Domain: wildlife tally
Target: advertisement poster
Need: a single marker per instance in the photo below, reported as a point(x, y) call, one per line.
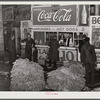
point(8, 14)
point(98, 55)
point(95, 30)
point(83, 15)
point(25, 28)
point(42, 54)
point(22, 12)
point(68, 54)
point(62, 15)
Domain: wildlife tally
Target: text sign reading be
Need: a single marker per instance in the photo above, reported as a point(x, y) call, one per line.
point(95, 20)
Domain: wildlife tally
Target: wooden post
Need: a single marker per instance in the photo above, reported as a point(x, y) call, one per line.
point(1, 34)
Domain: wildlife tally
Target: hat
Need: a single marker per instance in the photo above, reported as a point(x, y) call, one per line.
point(12, 34)
point(87, 39)
point(84, 36)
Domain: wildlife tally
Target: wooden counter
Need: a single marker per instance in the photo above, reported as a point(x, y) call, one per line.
point(65, 53)
point(42, 53)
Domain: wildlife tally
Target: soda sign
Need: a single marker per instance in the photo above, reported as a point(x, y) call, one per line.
point(55, 16)
point(65, 15)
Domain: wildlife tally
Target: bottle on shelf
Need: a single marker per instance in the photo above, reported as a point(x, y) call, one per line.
point(84, 15)
point(40, 42)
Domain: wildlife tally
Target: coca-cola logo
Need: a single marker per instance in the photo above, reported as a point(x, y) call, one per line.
point(60, 15)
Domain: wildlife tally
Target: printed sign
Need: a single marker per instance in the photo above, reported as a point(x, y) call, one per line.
point(24, 28)
point(83, 15)
point(95, 20)
point(95, 30)
point(62, 29)
point(8, 14)
point(98, 55)
point(22, 12)
point(42, 55)
point(68, 55)
point(64, 15)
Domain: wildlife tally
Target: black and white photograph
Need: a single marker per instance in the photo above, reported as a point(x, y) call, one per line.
point(50, 47)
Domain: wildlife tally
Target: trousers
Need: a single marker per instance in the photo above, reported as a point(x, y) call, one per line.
point(28, 55)
point(90, 74)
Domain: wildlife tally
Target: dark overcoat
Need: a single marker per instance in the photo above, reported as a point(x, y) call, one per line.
point(53, 51)
point(88, 54)
point(12, 50)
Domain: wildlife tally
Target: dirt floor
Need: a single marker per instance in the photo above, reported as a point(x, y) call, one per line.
point(4, 77)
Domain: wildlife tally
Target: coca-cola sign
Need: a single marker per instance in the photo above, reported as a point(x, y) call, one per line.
point(65, 15)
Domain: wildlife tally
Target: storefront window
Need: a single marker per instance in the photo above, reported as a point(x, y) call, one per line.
point(39, 37)
point(70, 39)
point(66, 39)
point(49, 35)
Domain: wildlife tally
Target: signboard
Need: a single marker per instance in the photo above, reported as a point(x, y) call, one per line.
point(98, 55)
point(24, 28)
point(22, 12)
point(92, 10)
point(83, 15)
point(62, 29)
point(42, 54)
point(63, 15)
point(95, 30)
point(68, 54)
point(8, 14)
point(95, 34)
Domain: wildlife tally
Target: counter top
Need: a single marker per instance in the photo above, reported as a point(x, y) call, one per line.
point(65, 48)
point(61, 47)
point(43, 46)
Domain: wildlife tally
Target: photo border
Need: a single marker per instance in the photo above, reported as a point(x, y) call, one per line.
point(53, 98)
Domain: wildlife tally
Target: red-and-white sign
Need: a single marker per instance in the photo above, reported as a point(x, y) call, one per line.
point(64, 15)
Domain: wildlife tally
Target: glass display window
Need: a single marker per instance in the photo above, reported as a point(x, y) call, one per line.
point(39, 37)
point(49, 35)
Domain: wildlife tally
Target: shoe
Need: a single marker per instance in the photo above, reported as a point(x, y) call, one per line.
point(86, 89)
point(49, 67)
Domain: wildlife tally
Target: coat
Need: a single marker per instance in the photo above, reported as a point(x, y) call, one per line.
point(81, 43)
point(29, 44)
point(53, 51)
point(88, 54)
point(12, 50)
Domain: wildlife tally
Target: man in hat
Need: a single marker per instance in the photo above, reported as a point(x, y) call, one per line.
point(12, 48)
point(88, 59)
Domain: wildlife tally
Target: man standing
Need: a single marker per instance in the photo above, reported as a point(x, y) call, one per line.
point(29, 45)
point(53, 52)
point(70, 40)
point(88, 59)
point(81, 42)
point(12, 48)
